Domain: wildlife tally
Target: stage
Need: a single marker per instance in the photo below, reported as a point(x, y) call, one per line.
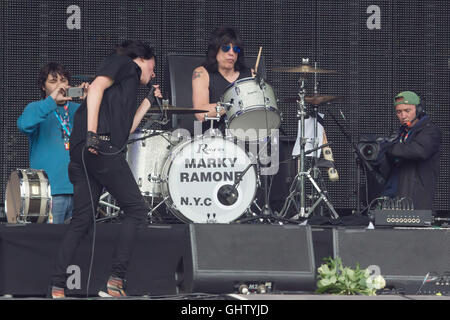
point(213, 261)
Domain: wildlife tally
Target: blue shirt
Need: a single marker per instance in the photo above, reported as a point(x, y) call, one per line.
point(46, 143)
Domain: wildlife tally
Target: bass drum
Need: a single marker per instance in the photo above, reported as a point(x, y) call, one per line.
point(28, 197)
point(198, 174)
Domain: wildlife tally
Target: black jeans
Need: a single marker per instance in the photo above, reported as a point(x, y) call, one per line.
point(113, 173)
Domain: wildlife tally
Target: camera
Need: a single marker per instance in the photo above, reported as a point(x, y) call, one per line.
point(75, 92)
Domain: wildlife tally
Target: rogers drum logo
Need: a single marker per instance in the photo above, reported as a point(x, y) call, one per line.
point(203, 148)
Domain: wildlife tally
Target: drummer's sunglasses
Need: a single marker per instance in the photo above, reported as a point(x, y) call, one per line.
point(227, 48)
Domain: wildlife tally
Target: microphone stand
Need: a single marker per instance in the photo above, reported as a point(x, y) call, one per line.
point(359, 160)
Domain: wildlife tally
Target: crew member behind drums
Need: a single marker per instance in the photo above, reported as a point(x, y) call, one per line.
point(101, 129)
point(224, 64)
point(48, 124)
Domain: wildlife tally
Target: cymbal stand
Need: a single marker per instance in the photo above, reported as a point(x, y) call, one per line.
point(301, 113)
point(315, 114)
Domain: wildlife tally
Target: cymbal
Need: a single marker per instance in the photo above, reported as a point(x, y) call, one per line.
point(316, 99)
point(304, 68)
point(174, 110)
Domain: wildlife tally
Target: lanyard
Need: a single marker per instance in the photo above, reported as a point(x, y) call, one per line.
point(65, 125)
point(405, 136)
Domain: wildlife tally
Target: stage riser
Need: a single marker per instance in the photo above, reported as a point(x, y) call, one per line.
point(171, 259)
point(27, 254)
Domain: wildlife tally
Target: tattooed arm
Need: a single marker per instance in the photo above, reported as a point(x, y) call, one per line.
point(200, 94)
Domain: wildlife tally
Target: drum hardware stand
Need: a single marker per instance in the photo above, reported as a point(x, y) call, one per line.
point(153, 209)
point(161, 118)
point(359, 160)
point(219, 106)
point(314, 159)
point(112, 211)
point(301, 113)
point(266, 213)
point(315, 169)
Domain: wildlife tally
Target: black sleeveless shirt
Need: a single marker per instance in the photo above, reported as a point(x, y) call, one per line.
point(217, 86)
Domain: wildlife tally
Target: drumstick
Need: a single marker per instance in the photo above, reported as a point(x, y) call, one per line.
point(325, 141)
point(257, 60)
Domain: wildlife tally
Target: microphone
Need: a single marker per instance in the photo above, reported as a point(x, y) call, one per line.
point(332, 172)
point(152, 98)
point(408, 124)
point(227, 195)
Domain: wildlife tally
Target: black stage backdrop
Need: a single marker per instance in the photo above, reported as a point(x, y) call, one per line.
point(378, 48)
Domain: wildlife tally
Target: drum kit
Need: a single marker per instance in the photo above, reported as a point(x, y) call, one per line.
point(209, 178)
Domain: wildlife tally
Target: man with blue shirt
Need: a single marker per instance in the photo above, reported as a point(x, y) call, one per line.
point(48, 124)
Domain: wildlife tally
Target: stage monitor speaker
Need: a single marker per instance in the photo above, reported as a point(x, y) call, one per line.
point(222, 258)
point(403, 257)
point(179, 74)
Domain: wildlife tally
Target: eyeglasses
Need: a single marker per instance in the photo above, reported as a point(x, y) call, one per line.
point(227, 48)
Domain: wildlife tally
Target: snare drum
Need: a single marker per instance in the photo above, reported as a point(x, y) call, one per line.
point(28, 196)
point(146, 159)
point(253, 112)
point(194, 177)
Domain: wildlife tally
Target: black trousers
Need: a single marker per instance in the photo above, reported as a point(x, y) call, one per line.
point(113, 173)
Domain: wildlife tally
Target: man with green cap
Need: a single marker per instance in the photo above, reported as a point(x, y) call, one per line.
point(414, 155)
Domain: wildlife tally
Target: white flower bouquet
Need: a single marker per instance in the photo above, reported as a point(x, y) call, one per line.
point(334, 278)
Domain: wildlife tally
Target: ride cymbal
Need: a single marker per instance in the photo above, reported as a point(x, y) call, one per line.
point(316, 99)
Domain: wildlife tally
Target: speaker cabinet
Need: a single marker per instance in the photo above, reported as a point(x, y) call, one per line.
point(403, 257)
point(220, 258)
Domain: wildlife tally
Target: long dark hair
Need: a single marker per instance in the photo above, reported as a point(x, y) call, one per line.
point(223, 36)
point(135, 49)
point(54, 69)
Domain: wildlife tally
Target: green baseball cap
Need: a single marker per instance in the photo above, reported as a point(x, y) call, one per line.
point(406, 97)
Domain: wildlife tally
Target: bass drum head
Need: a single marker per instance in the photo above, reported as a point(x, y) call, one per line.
point(13, 198)
point(28, 196)
point(196, 172)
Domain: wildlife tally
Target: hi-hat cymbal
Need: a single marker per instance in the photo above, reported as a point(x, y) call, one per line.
point(316, 99)
point(174, 110)
point(304, 68)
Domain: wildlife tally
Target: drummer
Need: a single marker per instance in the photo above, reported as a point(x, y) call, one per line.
point(224, 64)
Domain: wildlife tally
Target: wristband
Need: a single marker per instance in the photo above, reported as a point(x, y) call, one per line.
point(92, 140)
